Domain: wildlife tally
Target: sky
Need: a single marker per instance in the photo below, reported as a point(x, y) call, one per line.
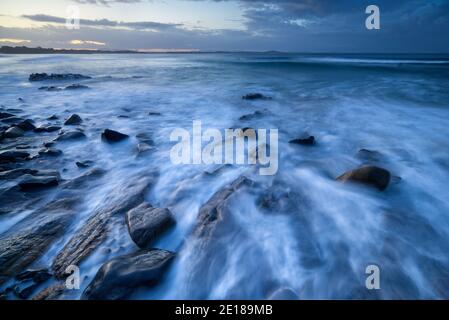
point(406, 26)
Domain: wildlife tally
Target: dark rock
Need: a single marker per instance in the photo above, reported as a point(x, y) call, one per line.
point(50, 152)
point(370, 175)
point(13, 156)
point(5, 115)
point(53, 117)
point(74, 119)
point(25, 293)
point(47, 128)
point(15, 173)
point(53, 76)
point(309, 141)
point(37, 275)
point(48, 144)
point(113, 136)
point(369, 155)
point(76, 87)
point(154, 113)
point(26, 125)
point(50, 88)
point(27, 240)
point(13, 132)
point(119, 277)
point(255, 96)
point(256, 114)
point(53, 292)
point(84, 164)
point(146, 224)
point(82, 180)
point(71, 135)
point(144, 137)
point(97, 227)
point(34, 183)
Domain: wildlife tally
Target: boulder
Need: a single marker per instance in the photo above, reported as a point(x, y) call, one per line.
point(369, 175)
point(146, 223)
point(74, 119)
point(13, 132)
point(255, 96)
point(113, 136)
point(309, 141)
point(54, 76)
point(119, 277)
point(26, 125)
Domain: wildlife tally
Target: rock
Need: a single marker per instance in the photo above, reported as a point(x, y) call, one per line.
point(51, 152)
point(47, 128)
point(81, 181)
point(74, 119)
point(25, 293)
point(146, 224)
point(309, 141)
point(370, 175)
point(53, 292)
point(13, 132)
point(28, 240)
point(13, 156)
point(369, 155)
point(53, 76)
point(84, 164)
point(254, 115)
point(97, 227)
point(5, 115)
point(144, 137)
point(71, 135)
point(143, 147)
point(113, 136)
point(34, 183)
point(48, 144)
point(119, 277)
point(255, 96)
point(37, 275)
point(53, 117)
point(50, 88)
point(26, 125)
point(76, 87)
point(154, 113)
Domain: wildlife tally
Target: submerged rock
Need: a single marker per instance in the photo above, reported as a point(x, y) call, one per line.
point(71, 135)
point(30, 238)
point(54, 76)
point(113, 136)
point(51, 152)
point(13, 132)
point(34, 183)
point(13, 156)
point(369, 175)
point(154, 113)
point(256, 114)
point(47, 128)
point(53, 292)
point(369, 155)
point(309, 141)
point(119, 277)
point(76, 87)
point(84, 164)
point(37, 275)
point(255, 96)
point(74, 119)
point(50, 88)
point(5, 115)
point(146, 223)
point(97, 227)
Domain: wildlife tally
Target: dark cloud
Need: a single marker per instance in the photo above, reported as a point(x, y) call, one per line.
point(105, 22)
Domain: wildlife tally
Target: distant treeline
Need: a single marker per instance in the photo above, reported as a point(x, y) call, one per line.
point(39, 50)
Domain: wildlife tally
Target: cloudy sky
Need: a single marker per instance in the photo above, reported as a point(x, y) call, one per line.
point(256, 25)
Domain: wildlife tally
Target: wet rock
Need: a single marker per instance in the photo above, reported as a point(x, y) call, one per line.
point(74, 119)
point(369, 175)
point(309, 141)
point(119, 277)
point(27, 240)
point(35, 183)
point(256, 114)
point(146, 223)
point(5, 115)
point(53, 76)
point(76, 87)
point(255, 96)
point(71, 135)
point(15, 173)
point(154, 113)
point(25, 292)
point(48, 144)
point(82, 180)
point(53, 117)
point(113, 136)
point(144, 137)
point(13, 156)
point(97, 227)
point(26, 125)
point(47, 128)
point(37, 275)
point(50, 152)
point(369, 155)
point(13, 132)
point(143, 148)
point(53, 292)
point(84, 164)
point(50, 88)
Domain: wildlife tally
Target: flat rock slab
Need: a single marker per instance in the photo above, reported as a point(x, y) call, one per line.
point(119, 277)
point(146, 224)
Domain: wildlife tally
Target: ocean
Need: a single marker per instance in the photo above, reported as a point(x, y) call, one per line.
point(298, 233)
